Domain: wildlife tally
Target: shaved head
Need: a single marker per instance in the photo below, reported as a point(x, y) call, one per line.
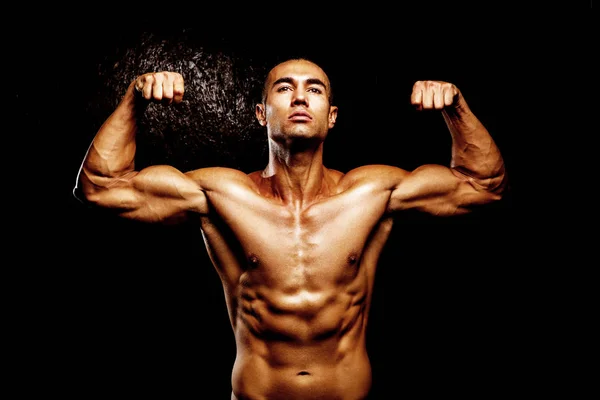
point(273, 78)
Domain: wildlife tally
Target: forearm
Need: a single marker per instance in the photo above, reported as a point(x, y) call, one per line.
point(112, 151)
point(474, 151)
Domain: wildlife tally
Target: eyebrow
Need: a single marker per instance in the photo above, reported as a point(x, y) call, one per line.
point(310, 81)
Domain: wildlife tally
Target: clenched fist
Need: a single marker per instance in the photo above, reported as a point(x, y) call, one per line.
point(428, 95)
point(165, 86)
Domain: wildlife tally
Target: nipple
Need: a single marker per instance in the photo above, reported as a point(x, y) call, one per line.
point(252, 261)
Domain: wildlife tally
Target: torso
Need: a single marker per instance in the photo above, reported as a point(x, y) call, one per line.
point(298, 284)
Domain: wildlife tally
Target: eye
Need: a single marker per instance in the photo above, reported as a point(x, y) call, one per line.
point(315, 90)
point(284, 88)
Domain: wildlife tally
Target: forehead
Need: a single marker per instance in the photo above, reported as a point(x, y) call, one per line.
point(300, 70)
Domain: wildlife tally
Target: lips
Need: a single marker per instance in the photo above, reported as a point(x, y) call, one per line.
point(300, 116)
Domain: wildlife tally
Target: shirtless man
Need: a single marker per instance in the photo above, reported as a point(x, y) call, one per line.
point(296, 244)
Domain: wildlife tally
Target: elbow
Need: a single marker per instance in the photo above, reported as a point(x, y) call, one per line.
point(489, 190)
point(78, 194)
point(90, 190)
point(86, 194)
point(498, 185)
point(495, 182)
point(494, 185)
point(85, 188)
point(81, 190)
point(494, 189)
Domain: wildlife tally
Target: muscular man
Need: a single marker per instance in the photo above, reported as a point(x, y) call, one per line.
point(296, 244)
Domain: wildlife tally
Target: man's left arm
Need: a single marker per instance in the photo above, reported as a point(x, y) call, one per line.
point(476, 174)
point(474, 152)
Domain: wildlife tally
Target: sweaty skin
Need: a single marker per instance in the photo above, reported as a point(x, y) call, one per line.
point(296, 245)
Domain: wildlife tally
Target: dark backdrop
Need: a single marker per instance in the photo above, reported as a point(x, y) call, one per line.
point(139, 309)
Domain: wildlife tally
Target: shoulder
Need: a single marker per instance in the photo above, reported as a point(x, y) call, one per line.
point(221, 172)
point(378, 174)
point(211, 178)
point(333, 175)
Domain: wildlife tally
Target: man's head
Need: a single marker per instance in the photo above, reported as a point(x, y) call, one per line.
point(296, 101)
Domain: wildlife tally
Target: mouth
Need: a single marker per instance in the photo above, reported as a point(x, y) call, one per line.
point(300, 116)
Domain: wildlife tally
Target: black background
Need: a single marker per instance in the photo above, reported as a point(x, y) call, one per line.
point(138, 309)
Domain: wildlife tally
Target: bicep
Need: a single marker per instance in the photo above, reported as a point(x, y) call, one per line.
point(154, 194)
point(438, 190)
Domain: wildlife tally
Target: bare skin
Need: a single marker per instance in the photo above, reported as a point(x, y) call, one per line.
point(296, 245)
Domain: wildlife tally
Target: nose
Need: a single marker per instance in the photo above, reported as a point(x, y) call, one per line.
point(299, 97)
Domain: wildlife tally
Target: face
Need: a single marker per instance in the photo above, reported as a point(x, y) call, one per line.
point(297, 102)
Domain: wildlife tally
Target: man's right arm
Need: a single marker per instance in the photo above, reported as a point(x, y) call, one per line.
point(108, 178)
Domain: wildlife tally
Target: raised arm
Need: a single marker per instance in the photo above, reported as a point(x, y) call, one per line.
point(476, 174)
point(108, 178)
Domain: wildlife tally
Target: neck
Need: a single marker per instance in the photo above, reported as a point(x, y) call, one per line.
point(295, 177)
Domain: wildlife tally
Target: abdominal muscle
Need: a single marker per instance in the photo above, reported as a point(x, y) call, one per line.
point(312, 350)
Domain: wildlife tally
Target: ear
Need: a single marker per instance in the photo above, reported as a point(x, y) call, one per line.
point(333, 111)
point(261, 116)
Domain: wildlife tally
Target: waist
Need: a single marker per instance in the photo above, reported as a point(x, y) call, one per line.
point(311, 376)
